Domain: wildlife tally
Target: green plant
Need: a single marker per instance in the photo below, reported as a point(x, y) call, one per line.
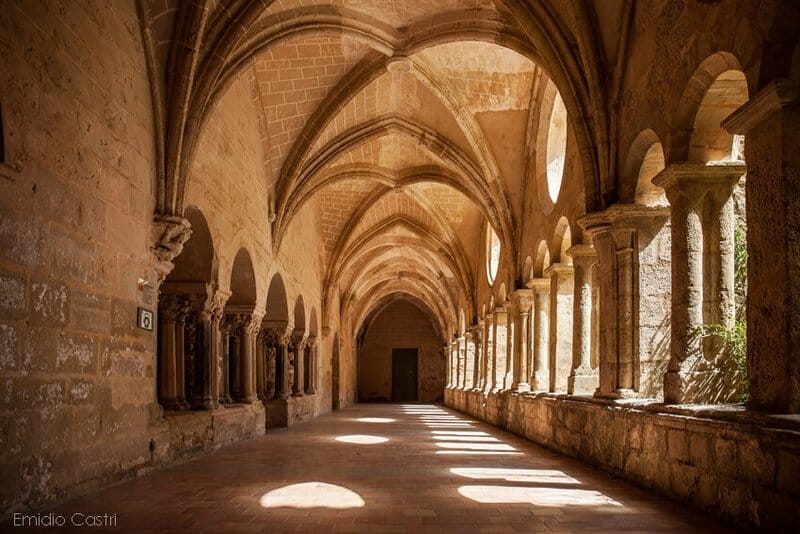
point(734, 339)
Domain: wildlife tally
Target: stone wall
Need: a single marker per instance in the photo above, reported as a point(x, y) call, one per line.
point(76, 201)
point(737, 465)
point(400, 325)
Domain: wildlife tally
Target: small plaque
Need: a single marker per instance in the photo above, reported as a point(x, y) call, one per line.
point(144, 319)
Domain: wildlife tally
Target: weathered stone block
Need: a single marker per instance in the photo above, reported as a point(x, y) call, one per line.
point(13, 297)
point(9, 348)
point(21, 239)
point(49, 304)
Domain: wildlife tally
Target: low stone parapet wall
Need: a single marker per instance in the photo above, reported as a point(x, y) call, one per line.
point(726, 461)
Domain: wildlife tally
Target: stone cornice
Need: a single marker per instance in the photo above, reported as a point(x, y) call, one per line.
point(681, 176)
point(772, 98)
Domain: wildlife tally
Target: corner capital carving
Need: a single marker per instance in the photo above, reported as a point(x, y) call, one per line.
point(168, 234)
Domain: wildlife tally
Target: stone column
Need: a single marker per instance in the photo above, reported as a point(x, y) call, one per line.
point(477, 343)
point(522, 299)
point(462, 361)
point(500, 345)
point(508, 378)
point(184, 308)
point(212, 317)
point(688, 186)
point(261, 360)
point(248, 340)
point(299, 345)
point(210, 303)
point(227, 327)
point(540, 369)
point(582, 379)
point(312, 346)
point(561, 295)
point(770, 122)
point(287, 375)
point(469, 359)
point(167, 312)
point(488, 353)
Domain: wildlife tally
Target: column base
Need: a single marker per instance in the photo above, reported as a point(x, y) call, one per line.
point(523, 387)
point(172, 405)
point(541, 381)
point(621, 393)
point(206, 403)
point(583, 381)
point(299, 394)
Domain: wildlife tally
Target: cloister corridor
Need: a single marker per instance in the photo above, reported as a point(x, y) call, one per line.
point(386, 468)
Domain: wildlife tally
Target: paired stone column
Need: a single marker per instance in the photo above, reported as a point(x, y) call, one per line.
point(205, 394)
point(184, 308)
point(488, 353)
point(470, 360)
point(227, 333)
point(561, 295)
point(287, 370)
point(261, 365)
point(299, 347)
point(626, 239)
point(312, 346)
point(500, 348)
point(583, 378)
point(695, 191)
point(522, 300)
point(168, 387)
point(477, 339)
point(770, 121)
point(461, 347)
point(250, 331)
point(540, 369)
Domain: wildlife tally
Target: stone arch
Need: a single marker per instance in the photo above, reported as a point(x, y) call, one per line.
point(562, 241)
point(542, 260)
point(243, 281)
point(300, 315)
point(197, 261)
point(716, 89)
point(645, 159)
point(182, 358)
point(501, 294)
point(527, 270)
point(277, 304)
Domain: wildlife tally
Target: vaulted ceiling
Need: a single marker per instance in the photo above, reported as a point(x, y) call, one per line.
point(405, 123)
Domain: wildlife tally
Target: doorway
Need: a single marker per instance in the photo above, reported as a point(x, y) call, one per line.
point(404, 375)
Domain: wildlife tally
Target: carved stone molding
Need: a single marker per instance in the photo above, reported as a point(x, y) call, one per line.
point(168, 234)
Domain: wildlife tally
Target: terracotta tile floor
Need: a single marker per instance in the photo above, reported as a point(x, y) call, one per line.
point(386, 468)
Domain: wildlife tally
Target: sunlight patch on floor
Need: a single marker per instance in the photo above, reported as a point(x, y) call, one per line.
point(535, 496)
point(361, 439)
point(375, 420)
point(542, 476)
point(312, 495)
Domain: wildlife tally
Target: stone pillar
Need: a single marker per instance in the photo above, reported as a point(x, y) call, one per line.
point(212, 316)
point(312, 347)
point(226, 356)
point(540, 369)
point(477, 342)
point(627, 240)
point(184, 308)
point(461, 344)
point(168, 390)
point(522, 300)
point(261, 360)
point(488, 353)
point(287, 375)
point(508, 378)
point(561, 295)
point(583, 378)
point(299, 346)
point(770, 122)
point(248, 340)
point(469, 359)
point(691, 188)
point(500, 345)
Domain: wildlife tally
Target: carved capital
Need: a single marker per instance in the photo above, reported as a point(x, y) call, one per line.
point(168, 234)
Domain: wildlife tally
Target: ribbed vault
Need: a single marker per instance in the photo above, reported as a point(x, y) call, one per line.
point(400, 123)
